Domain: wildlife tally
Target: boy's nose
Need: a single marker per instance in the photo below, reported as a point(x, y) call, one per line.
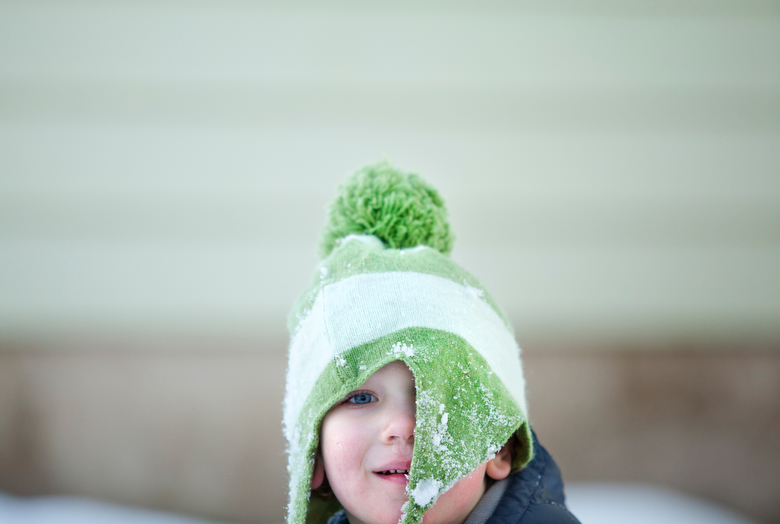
point(400, 423)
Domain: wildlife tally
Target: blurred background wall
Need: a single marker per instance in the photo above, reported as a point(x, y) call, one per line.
point(611, 168)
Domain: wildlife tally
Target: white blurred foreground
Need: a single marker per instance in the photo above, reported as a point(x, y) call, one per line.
point(592, 503)
point(603, 503)
point(78, 510)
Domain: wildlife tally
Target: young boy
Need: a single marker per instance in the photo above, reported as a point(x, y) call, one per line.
point(405, 397)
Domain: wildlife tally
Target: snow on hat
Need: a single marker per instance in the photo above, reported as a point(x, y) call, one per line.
point(386, 290)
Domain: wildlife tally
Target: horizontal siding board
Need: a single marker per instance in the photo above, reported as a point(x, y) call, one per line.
point(613, 168)
point(327, 106)
point(132, 41)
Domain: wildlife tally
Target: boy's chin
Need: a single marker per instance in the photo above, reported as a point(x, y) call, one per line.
point(453, 507)
point(384, 515)
point(381, 505)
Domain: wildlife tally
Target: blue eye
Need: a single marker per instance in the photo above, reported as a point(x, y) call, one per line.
point(362, 398)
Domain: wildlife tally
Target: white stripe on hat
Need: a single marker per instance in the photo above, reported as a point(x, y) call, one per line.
point(362, 308)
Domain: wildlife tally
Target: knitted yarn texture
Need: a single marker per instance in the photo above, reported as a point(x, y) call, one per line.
point(399, 208)
point(387, 291)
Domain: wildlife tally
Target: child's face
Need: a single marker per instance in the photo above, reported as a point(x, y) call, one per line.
point(366, 445)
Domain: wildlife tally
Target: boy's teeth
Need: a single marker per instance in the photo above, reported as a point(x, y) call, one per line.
point(394, 471)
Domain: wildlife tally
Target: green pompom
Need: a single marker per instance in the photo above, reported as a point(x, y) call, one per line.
point(399, 208)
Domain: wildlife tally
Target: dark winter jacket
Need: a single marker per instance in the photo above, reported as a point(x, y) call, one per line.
point(533, 495)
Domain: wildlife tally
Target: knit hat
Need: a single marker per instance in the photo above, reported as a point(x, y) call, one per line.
point(386, 290)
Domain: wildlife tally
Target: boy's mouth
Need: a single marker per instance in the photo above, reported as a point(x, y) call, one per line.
point(398, 477)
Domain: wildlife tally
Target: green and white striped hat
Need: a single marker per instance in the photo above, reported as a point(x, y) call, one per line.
point(386, 290)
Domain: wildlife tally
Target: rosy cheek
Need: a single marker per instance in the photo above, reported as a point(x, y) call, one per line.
point(338, 445)
point(465, 490)
point(469, 486)
point(459, 500)
point(343, 450)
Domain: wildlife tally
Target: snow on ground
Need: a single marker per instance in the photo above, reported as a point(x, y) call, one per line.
point(591, 503)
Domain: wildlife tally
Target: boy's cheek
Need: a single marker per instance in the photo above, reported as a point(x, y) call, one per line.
point(340, 440)
point(456, 504)
point(343, 450)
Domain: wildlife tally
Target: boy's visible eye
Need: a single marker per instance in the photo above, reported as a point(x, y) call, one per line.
point(362, 398)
